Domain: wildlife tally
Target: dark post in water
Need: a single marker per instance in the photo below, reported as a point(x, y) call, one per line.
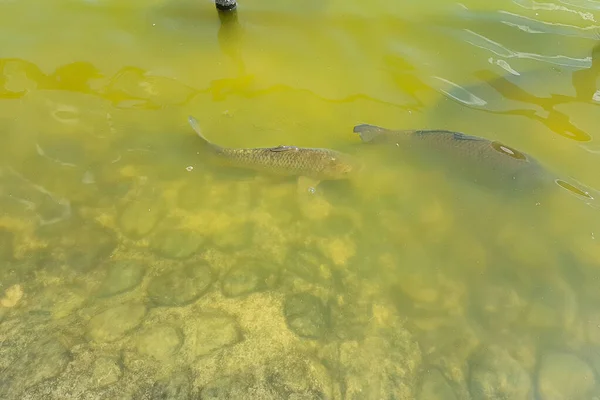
point(226, 5)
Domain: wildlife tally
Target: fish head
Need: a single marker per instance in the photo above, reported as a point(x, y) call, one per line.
point(342, 166)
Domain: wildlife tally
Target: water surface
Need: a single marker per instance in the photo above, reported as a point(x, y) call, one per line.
point(132, 268)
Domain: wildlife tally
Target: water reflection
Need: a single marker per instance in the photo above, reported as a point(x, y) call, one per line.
point(230, 37)
point(495, 89)
point(554, 120)
point(410, 284)
point(539, 93)
point(29, 200)
point(585, 4)
point(532, 23)
point(134, 88)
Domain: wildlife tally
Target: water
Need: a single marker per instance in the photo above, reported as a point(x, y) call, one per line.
point(133, 269)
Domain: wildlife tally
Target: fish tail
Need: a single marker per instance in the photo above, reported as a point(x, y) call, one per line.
point(368, 132)
point(196, 127)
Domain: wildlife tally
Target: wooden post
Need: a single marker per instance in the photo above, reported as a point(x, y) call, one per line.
point(226, 5)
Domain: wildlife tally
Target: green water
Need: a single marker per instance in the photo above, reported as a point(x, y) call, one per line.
point(132, 268)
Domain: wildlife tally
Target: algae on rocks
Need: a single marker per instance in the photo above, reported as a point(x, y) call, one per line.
point(249, 276)
point(139, 217)
point(181, 285)
point(306, 315)
point(176, 243)
point(495, 374)
point(81, 245)
point(289, 376)
point(565, 376)
point(7, 241)
point(114, 323)
point(44, 359)
point(105, 372)
point(383, 365)
point(177, 386)
point(121, 276)
point(434, 386)
point(207, 333)
point(159, 342)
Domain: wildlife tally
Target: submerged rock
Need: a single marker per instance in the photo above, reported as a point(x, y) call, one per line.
point(564, 376)
point(114, 323)
point(177, 386)
point(180, 286)
point(11, 296)
point(191, 197)
point(309, 266)
point(240, 281)
point(140, 217)
point(7, 239)
point(121, 276)
point(249, 277)
point(105, 372)
point(297, 377)
point(498, 306)
point(448, 344)
point(496, 375)
point(435, 387)
point(86, 247)
point(382, 366)
point(59, 301)
point(42, 360)
point(176, 243)
point(228, 387)
point(553, 305)
point(306, 315)
point(160, 342)
point(209, 333)
point(351, 319)
point(289, 377)
point(593, 327)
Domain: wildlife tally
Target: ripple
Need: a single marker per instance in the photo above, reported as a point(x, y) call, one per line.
point(461, 94)
point(47, 207)
point(585, 4)
point(531, 5)
point(483, 42)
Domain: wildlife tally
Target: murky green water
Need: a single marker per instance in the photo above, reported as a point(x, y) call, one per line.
point(132, 268)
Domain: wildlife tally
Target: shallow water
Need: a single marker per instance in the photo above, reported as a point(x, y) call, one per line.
point(132, 268)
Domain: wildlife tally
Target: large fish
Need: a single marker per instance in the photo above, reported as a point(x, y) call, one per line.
point(480, 160)
point(310, 165)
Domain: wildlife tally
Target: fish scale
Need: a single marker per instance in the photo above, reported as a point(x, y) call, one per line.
point(293, 160)
point(480, 160)
point(315, 163)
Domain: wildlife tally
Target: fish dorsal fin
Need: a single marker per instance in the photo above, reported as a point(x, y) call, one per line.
point(464, 136)
point(368, 132)
point(284, 148)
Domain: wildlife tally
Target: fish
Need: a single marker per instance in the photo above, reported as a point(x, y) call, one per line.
point(310, 165)
point(483, 161)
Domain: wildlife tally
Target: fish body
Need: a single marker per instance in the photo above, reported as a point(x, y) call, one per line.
point(312, 164)
point(484, 161)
